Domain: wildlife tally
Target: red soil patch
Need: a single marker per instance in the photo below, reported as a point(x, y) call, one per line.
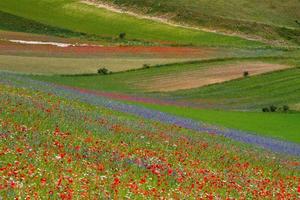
point(7, 47)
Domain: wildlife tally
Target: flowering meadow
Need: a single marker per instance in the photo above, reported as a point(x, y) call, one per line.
point(55, 147)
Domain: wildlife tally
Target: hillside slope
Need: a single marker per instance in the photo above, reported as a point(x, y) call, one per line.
point(78, 17)
point(270, 20)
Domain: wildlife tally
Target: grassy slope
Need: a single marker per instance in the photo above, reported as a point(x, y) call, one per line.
point(268, 12)
point(78, 17)
point(269, 19)
point(14, 23)
point(277, 125)
point(274, 88)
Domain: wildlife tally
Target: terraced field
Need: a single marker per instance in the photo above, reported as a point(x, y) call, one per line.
point(203, 76)
point(40, 54)
point(171, 77)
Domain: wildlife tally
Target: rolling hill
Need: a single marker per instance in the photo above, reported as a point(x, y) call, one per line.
point(78, 17)
point(270, 20)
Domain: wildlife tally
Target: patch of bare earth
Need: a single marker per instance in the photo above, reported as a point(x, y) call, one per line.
point(205, 76)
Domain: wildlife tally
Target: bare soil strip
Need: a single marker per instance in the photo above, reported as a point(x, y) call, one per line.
point(39, 47)
point(205, 76)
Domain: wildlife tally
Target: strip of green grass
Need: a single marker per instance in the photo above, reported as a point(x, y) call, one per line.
point(283, 126)
point(78, 17)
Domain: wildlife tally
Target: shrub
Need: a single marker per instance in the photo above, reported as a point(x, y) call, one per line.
point(103, 71)
point(266, 110)
point(246, 74)
point(285, 108)
point(146, 66)
point(122, 36)
point(273, 108)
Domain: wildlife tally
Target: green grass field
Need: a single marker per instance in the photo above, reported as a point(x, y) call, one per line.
point(272, 19)
point(284, 126)
point(75, 16)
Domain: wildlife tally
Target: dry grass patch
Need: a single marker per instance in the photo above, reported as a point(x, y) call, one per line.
point(205, 76)
point(55, 65)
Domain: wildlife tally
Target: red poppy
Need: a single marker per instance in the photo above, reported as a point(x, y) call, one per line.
point(43, 181)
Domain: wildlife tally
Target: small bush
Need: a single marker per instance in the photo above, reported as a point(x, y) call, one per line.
point(266, 110)
point(273, 108)
point(146, 66)
point(246, 74)
point(103, 71)
point(285, 108)
point(122, 36)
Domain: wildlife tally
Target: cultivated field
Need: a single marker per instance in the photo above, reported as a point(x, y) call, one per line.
point(195, 78)
point(275, 88)
point(54, 65)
